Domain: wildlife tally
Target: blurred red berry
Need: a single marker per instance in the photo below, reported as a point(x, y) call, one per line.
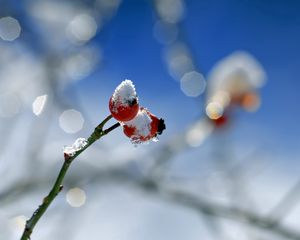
point(221, 121)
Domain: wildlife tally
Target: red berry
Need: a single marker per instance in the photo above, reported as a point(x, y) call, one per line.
point(221, 121)
point(123, 111)
point(123, 104)
point(144, 127)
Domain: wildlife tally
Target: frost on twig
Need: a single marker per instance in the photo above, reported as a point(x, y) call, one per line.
point(78, 145)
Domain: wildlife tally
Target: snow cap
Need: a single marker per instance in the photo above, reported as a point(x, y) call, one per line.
point(142, 123)
point(125, 92)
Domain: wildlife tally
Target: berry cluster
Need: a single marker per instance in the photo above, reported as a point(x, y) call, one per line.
point(233, 82)
point(139, 124)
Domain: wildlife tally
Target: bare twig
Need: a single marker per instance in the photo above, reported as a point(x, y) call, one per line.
point(57, 187)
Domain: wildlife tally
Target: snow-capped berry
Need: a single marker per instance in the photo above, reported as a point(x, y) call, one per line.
point(123, 104)
point(144, 127)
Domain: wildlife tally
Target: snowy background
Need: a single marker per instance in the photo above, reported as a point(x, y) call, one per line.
point(61, 60)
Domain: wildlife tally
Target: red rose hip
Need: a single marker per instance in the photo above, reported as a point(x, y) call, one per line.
point(123, 104)
point(144, 127)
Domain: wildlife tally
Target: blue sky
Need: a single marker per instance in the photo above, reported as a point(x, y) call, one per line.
point(269, 30)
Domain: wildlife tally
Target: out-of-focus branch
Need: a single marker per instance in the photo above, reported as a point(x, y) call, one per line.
point(213, 209)
point(192, 136)
point(286, 204)
point(192, 201)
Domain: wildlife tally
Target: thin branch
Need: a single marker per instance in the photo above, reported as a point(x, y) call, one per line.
point(111, 128)
point(57, 187)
